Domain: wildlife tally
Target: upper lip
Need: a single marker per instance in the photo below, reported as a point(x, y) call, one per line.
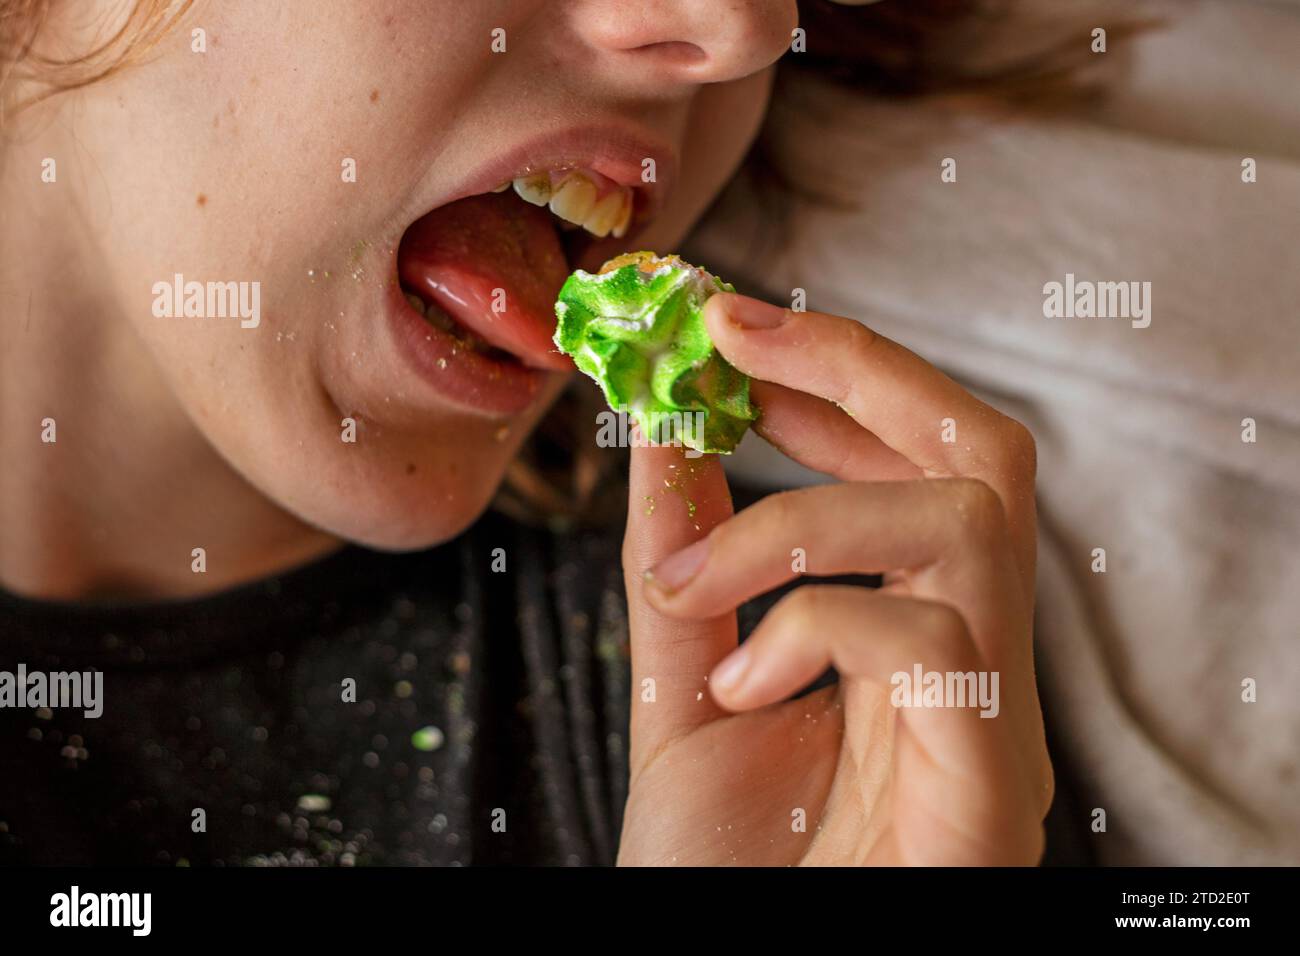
point(612, 150)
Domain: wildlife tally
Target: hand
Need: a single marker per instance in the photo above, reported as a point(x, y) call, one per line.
point(723, 764)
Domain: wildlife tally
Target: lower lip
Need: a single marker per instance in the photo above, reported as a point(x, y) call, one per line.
point(468, 379)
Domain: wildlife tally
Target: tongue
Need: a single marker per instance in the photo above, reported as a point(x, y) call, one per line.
point(461, 254)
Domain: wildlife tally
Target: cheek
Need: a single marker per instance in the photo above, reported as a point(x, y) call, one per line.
point(395, 482)
point(260, 159)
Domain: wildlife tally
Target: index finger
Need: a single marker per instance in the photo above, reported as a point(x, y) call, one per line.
point(892, 392)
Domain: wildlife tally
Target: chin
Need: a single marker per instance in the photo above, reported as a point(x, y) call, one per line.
point(409, 516)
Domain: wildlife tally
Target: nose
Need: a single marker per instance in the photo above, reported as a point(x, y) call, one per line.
point(686, 41)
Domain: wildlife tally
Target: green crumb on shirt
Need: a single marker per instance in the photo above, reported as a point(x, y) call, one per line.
point(427, 739)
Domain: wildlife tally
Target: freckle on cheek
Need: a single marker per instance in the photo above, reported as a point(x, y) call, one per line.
point(202, 200)
point(374, 96)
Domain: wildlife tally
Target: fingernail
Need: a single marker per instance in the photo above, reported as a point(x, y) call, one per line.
point(675, 571)
point(755, 314)
point(728, 675)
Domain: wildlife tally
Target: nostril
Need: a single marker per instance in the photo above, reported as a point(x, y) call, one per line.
point(674, 52)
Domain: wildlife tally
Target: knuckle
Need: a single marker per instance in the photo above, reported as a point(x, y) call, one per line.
point(862, 339)
point(944, 624)
point(761, 525)
point(781, 510)
point(946, 635)
point(979, 511)
point(1019, 449)
point(802, 606)
point(861, 346)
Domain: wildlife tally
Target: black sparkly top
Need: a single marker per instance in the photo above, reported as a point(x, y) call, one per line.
point(488, 724)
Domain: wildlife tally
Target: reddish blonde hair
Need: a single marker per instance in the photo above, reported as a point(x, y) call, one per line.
point(30, 73)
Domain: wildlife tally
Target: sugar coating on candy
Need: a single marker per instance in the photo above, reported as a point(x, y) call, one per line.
point(637, 329)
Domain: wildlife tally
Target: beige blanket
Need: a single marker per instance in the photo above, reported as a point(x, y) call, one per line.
point(1140, 430)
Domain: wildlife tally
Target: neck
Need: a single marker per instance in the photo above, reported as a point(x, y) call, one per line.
point(118, 502)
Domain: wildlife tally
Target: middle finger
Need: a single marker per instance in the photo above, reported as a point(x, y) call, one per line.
point(947, 538)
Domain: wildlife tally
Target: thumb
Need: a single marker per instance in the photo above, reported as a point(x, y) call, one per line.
point(674, 501)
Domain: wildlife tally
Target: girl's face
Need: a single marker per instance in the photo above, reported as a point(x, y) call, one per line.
point(336, 162)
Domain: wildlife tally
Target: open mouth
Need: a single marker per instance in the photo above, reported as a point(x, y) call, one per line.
point(479, 278)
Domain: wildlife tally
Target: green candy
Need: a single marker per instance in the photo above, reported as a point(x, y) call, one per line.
point(637, 329)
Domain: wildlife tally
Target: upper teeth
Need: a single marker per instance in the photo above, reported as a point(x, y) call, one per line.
point(573, 197)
